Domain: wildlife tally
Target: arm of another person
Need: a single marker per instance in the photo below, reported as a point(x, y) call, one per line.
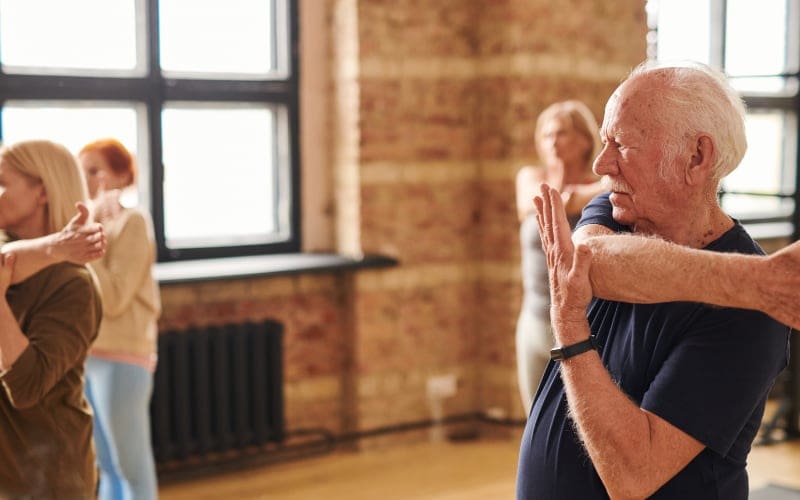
point(631, 268)
point(79, 242)
point(528, 180)
point(635, 452)
point(129, 258)
point(637, 269)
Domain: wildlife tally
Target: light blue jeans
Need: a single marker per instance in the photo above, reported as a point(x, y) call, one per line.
point(120, 396)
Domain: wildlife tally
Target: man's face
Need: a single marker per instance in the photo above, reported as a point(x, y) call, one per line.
point(644, 193)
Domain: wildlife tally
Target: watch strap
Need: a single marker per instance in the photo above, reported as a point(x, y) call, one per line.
point(566, 352)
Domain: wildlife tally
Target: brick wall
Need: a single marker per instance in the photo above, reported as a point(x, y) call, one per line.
point(431, 106)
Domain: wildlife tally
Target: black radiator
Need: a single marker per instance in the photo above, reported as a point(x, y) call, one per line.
point(217, 389)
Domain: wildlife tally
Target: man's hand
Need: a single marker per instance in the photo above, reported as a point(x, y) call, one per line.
point(568, 266)
point(80, 241)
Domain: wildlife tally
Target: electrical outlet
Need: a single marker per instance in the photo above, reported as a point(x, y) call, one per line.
point(442, 386)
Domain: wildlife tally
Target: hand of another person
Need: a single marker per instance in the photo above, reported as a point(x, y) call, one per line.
point(80, 241)
point(106, 205)
point(6, 270)
point(568, 266)
point(778, 285)
point(566, 194)
point(576, 196)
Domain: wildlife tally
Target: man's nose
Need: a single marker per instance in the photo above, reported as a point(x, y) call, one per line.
point(604, 164)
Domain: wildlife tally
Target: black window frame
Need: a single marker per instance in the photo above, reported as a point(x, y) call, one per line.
point(153, 91)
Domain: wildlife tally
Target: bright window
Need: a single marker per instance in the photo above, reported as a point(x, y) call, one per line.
point(757, 45)
point(197, 37)
point(210, 113)
point(237, 143)
point(76, 37)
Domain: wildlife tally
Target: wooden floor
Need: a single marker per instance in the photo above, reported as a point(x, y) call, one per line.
point(470, 470)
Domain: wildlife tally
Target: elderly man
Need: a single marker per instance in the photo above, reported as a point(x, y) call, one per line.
point(657, 400)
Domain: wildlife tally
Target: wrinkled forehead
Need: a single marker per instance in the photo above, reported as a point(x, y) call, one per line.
point(632, 107)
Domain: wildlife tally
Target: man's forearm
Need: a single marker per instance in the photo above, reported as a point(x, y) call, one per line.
point(621, 439)
point(638, 269)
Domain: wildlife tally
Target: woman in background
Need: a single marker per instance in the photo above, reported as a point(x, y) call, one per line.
point(47, 323)
point(122, 360)
point(567, 142)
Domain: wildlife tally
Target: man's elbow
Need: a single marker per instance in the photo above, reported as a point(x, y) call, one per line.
point(631, 487)
point(632, 476)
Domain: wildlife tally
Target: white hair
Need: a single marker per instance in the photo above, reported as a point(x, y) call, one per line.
point(695, 99)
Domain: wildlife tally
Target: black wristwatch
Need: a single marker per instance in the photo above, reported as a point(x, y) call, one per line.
point(566, 352)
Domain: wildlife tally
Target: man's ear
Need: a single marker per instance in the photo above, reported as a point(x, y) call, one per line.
point(701, 162)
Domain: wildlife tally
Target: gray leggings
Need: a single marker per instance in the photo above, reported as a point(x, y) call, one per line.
point(534, 342)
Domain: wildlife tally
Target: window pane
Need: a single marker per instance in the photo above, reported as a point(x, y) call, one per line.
point(235, 37)
point(68, 37)
point(76, 124)
point(749, 207)
point(221, 175)
point(684, 30)
point(755, 42)
point(766, 85)
point(763, 169)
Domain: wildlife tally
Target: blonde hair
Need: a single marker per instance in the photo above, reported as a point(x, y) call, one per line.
point(57, 169)
point(582, 120)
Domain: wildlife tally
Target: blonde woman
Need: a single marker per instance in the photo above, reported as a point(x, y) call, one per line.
point(122, 361)
point(567, 142)
point(47, 323)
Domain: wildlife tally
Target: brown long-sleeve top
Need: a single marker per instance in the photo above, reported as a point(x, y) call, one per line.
point(46, 446)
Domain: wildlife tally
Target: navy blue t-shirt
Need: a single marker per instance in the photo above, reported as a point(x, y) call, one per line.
point(707, 370)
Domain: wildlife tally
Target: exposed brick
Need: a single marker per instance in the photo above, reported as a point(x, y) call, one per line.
point(429, 97)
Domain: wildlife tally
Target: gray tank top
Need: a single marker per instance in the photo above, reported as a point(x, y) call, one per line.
point(535, 284)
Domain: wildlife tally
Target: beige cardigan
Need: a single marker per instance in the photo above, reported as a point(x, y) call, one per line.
point(131, 301)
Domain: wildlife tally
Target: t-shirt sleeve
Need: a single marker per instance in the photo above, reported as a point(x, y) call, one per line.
point(718, 375)
point(599, 211)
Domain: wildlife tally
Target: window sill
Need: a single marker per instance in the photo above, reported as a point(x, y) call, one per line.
point(167, 273)
point(769, 230)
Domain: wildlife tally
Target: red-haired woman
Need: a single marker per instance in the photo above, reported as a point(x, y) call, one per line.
point(123, 358)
